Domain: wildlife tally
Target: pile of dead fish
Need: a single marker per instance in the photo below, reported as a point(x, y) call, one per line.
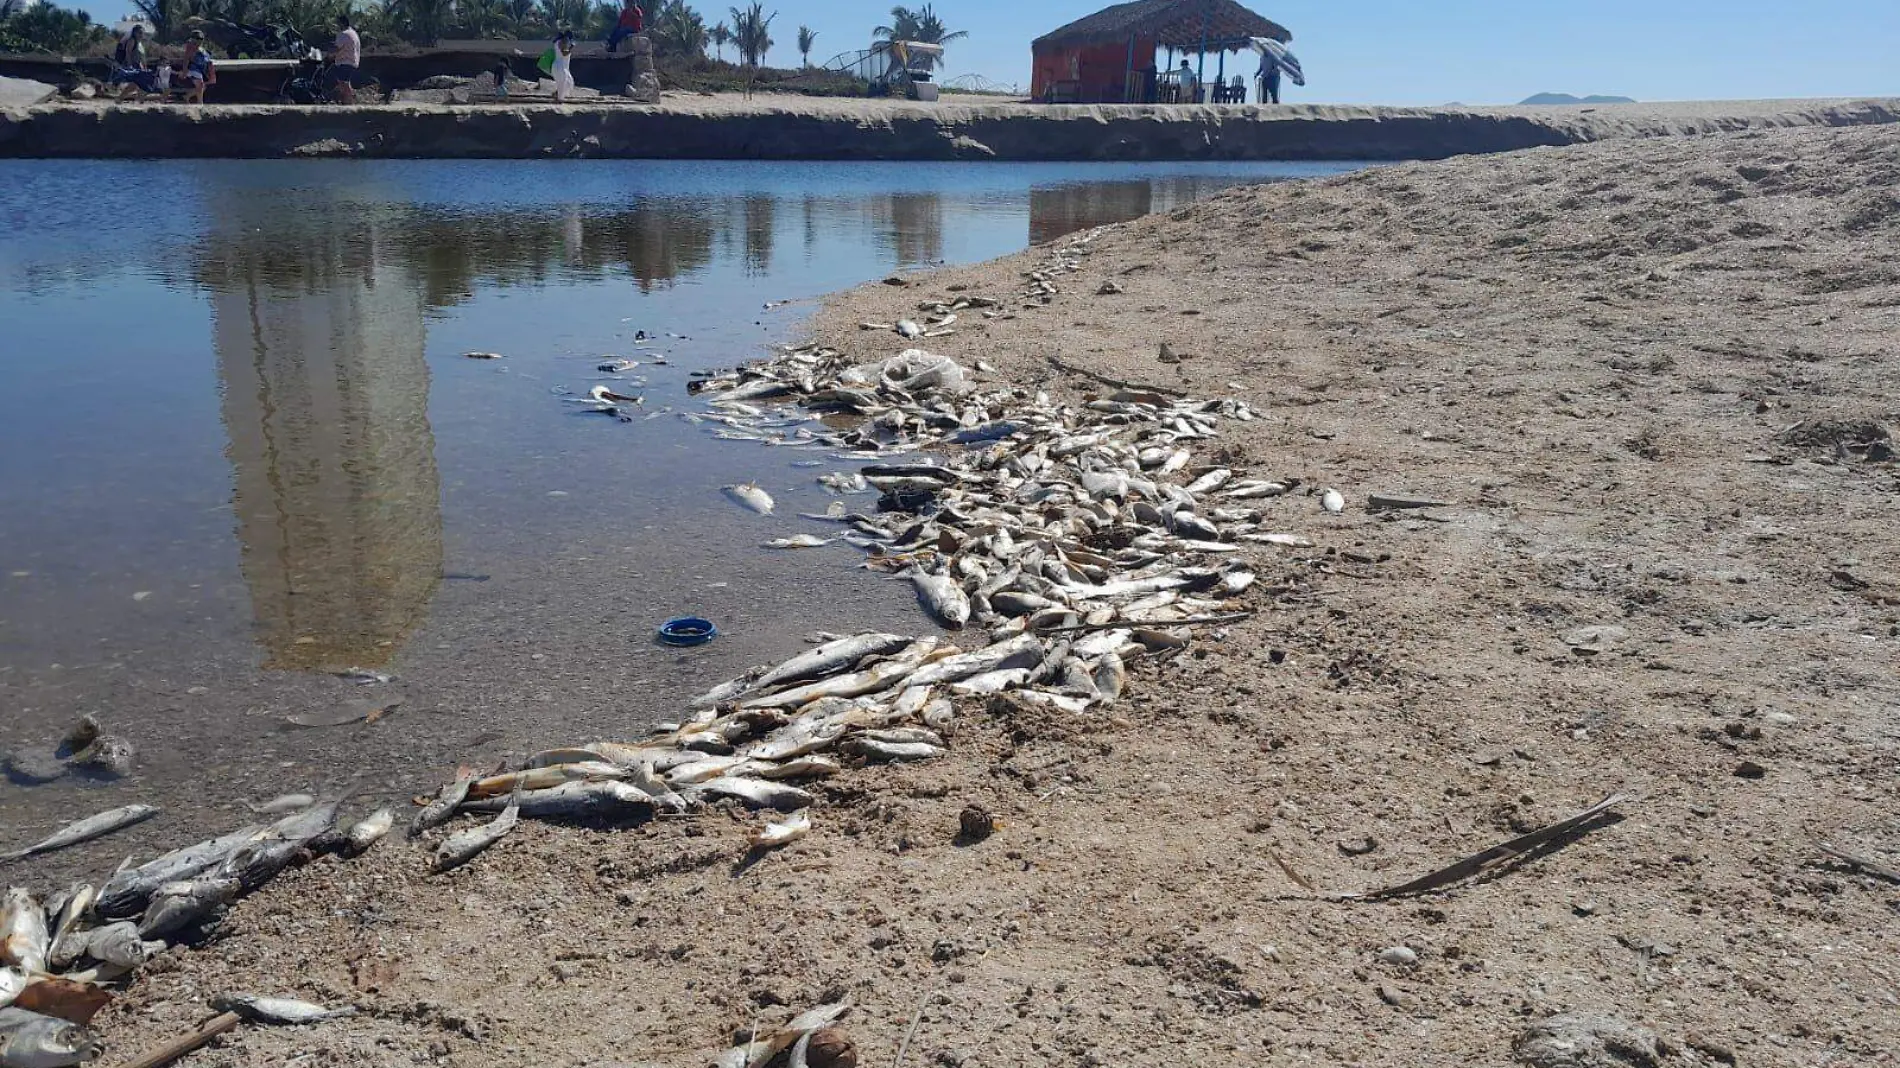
point(1059, 540)
point(58, 956)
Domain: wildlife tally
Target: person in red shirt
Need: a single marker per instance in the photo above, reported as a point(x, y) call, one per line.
point(632, 21)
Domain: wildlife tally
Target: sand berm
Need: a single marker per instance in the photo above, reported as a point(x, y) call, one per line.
point(1651, 381)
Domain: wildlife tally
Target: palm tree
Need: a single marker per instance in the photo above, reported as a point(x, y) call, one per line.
point(677, 29)
point(806, 38)
point(751, 31)
point(919, 25)
point(721, 36)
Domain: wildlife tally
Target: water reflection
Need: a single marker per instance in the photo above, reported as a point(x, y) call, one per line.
point(1058, 210)
point(319, 344)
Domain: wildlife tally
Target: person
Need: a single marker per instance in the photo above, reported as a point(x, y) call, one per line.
point(501, 80)
point(129, 69)
point(199, 72)
point(633, 19)
point(1269, 80)
point(563, 73)
point(1190, 89)
point(347, 59)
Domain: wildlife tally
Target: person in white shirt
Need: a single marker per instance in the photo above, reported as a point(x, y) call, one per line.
point(348, 58)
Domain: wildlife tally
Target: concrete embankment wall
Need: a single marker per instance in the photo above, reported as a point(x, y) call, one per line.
point(856, 130)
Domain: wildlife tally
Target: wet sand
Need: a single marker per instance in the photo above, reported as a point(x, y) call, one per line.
point(1644, 377)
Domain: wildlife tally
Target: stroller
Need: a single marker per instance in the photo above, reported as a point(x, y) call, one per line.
point(319, 86)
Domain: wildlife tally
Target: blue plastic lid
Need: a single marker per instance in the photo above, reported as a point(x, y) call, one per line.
point(688, 630)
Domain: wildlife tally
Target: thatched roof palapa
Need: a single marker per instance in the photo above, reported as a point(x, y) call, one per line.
point(1182, 25)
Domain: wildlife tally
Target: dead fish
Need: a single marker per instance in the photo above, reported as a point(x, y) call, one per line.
point(1333, 501)
point(437, 812)
point(362, 677)
point(1023, 650)
point(13, 983)
point(369, 830)
point(1253, 489)
point(177, 906)
point(908, 329)
point(784, 832)
point(831, 657)
point(872, 749)
point(1109, 677)
point(87, 829)
point(24, 939)
point(810, 766)
point(799, 541)
point(1210, 481)
point(73, 910)
point(758, 1051)
point(280, 805)
point(126, 893)
point(278, 1011)
point(942, 598)
point(758, 793)
point(875, 679)
point(610, 799)
point(1291, 541)
point(481, 355)
point(546, 777)
point(724, 692)
point(30, 1040)
point(118, 944)
point(990, 682)
point(750, 497)
point(258, 861)
point(463, 846)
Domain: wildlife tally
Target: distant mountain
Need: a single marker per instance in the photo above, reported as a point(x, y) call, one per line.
point(1547, 99)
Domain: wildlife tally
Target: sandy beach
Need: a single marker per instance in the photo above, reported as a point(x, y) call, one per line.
point(1649, 383)
point(765, 126)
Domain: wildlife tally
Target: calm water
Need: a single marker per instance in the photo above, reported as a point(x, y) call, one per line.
point(240, 448)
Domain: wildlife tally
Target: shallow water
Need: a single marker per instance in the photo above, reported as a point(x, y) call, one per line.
point(240, 449)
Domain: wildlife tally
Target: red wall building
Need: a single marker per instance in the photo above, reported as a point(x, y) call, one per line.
point(1109, 57)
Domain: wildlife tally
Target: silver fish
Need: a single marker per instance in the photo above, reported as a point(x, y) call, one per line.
point(757, 793)
point(463, 846)
point(13, 983)
point(1333, 501)
point(799, 541)
point(1109, 677)
point(278, 1011)
point(260, 860)
point(438, 812)
point(24, 939)
point(872, 749)
point(277, 806)
point(804, 767)
point(87, 829)
point(724, 692)
point(942, 598)
point(177, 906)
point(751, 497)
point(29, 1040)
point(990, 682)
point(1211, 481)
point(1023, 650)
point(126, 893)
point(118, 944)
point(907, 329)
point(759, 1050)
point(878, 677)
point(830, 658)
point(574, 800)
point(370, 829)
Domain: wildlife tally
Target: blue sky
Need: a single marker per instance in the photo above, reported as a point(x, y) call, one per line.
point(1413, 52)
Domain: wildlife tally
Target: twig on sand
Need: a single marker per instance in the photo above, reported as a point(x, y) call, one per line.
point(911, 1032)
point(182, 1046)
point(1132, 624)
point(1871, 867)
point(1497, 854)
point(1298, 879)
point(1118, 383)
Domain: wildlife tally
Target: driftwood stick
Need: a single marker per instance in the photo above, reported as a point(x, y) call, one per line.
point(1151, 624)
point(180, 1047)
point(1871, 867)
point(1118, 383)
point(1497, 854)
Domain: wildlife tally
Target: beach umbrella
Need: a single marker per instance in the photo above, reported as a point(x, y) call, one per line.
point(1282, 58)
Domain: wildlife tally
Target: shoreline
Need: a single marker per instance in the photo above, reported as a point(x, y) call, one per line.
point(1593, 356)
point(808, 128)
